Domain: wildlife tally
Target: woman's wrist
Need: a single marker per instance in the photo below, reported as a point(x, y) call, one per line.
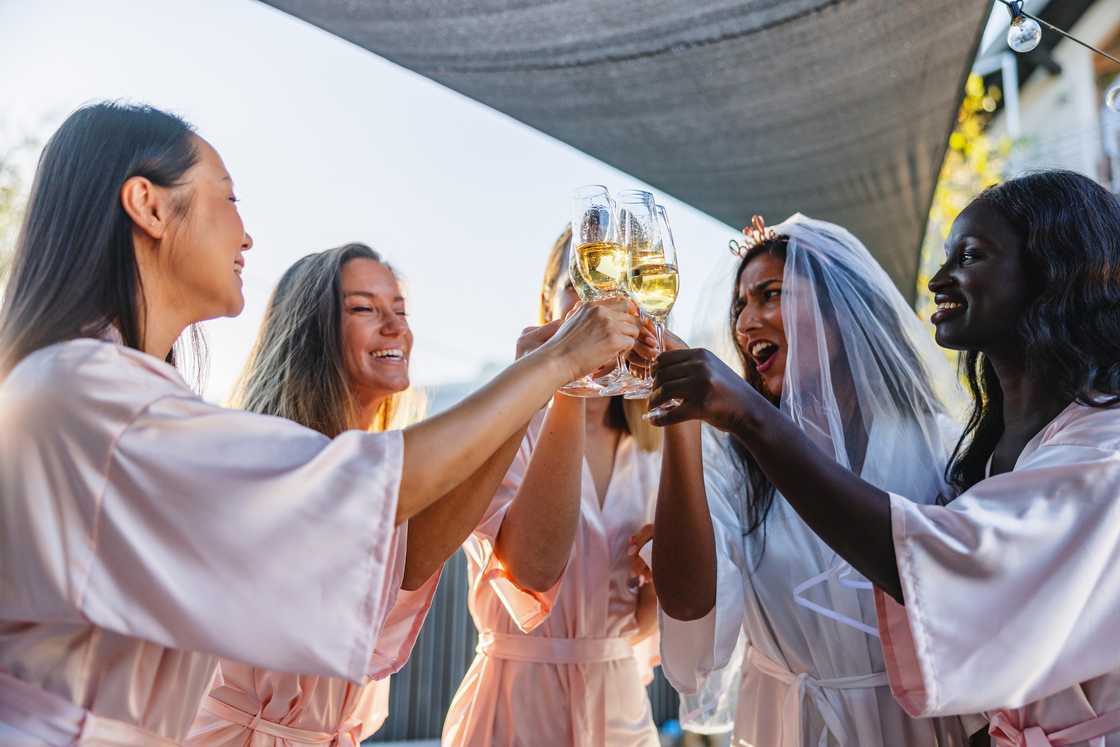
point(746, 419)
point(551, 360)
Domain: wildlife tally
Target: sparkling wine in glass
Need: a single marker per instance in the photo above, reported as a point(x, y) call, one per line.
point(592, 259)
point(641, 237)
point(653, 286)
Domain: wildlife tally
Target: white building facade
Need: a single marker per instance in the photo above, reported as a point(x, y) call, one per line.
point(1056, 117)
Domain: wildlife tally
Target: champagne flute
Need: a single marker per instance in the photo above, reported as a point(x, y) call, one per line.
point(598, 263)
point(654, 286)
point(639, 237)
point(644, 253)
point(595, 264)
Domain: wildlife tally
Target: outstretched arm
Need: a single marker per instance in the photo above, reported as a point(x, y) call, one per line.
point(850, 515)
point(442, 451)
point(536, 537)
point(439, 530)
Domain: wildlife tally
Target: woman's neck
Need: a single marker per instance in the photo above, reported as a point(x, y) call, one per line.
point(598, 414)
point(159, 331)
point(367, 410)
point(160, 312)
point(1029, 400)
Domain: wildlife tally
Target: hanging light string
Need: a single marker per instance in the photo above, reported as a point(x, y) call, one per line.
point(1016, 8)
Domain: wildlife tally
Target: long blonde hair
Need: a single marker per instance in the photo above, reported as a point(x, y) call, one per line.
point(625, 414)
point(295, 369)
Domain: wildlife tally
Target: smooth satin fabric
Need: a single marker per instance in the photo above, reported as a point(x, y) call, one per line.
point(807, 678)
point(570, 679)
point(133, 516)
point(1013, 590)
point(34, 715)
point(255, 707)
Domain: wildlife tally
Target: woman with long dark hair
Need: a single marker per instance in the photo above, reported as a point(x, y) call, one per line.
point(1005, 600)
point(822, 335)
point(133, 511)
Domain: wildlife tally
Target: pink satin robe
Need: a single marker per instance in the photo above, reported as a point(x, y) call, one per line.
point(1013, 592)
point(555, 668)
point(133, 518)
point(253, 707)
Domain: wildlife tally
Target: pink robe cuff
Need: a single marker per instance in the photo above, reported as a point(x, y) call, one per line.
point(905, 643)
point(402, 627)
point(526, 608)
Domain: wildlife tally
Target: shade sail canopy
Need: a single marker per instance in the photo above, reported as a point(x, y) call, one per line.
point(839, 109)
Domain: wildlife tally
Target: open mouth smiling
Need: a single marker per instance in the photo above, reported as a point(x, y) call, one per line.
point(946, 307)
point(390, 355)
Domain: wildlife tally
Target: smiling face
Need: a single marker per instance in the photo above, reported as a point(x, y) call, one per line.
point(982, 289)
point(759, 331)
point(206, 257)
point(376, 338)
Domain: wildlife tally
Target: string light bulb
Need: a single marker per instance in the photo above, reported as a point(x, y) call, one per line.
point(1112, 98)
point(1029, 29)
point(1024, 34)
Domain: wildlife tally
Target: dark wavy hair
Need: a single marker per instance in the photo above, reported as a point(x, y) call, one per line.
point(1069, 229)
point(902, 390)
point(74, 273)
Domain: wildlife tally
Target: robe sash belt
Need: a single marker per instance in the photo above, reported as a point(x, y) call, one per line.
point(347, 735)
point(56, 721)
point(802, 686)
point(1003, 730)
point(553, 650)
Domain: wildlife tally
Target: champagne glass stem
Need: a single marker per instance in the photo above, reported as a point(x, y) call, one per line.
point(675, 401)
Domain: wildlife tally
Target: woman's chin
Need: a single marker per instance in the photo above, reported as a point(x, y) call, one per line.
point(386, 386)
point(231, 305)
point(772, 386)
point(946, 339)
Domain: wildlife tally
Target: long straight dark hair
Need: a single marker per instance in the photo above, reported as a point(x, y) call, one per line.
point(1069, 231)
point(74, 273)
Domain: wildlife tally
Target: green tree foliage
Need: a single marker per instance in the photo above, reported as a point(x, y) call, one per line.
point(12, 199)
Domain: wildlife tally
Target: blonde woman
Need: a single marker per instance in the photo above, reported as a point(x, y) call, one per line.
point(551, 588)
point(333, 354)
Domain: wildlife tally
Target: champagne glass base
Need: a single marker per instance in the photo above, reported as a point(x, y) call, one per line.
point(621, 385)
point(585, 387)
point(663, 409)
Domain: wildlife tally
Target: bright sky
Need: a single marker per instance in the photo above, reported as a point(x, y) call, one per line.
point(328, 143)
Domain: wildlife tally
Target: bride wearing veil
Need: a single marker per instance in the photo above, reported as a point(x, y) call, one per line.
point(763, 627)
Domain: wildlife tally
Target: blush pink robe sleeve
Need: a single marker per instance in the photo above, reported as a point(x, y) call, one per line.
point(258, 707)
point(1013, 590)
point(134, 517)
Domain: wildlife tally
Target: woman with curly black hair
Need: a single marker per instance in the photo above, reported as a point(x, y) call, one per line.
point(1004, 600)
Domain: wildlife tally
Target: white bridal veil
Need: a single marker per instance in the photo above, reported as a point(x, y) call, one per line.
point(865, 382)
